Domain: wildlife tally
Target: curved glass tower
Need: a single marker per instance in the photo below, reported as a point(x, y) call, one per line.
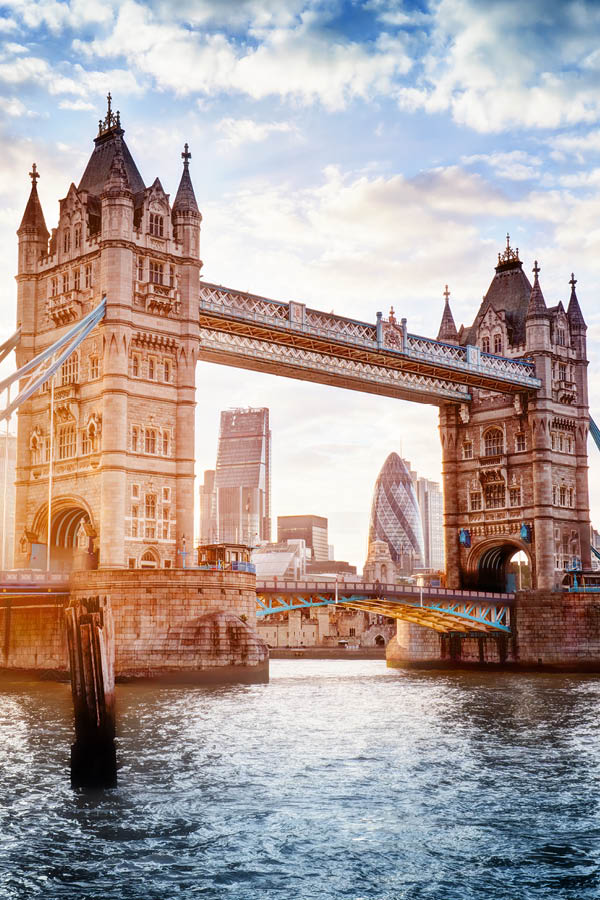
point(395, 514)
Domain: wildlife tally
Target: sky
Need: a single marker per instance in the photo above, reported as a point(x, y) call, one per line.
point(349, 155)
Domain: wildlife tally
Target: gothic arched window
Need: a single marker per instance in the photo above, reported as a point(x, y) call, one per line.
point(493, 442)
point(497, 343)
point(485, 344)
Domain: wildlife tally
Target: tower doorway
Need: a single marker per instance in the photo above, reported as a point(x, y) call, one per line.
point(500, 568)
point(72, 538)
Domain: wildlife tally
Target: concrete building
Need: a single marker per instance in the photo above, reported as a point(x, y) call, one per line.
point(431, 504)
point(311, 529)
point(8, 459)
point(285, 560)
point(243, 477)
point(208, 509)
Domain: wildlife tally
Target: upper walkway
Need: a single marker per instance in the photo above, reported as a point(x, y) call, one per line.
point(249, 331)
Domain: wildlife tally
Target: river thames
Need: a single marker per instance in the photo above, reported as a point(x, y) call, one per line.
point(339, 779)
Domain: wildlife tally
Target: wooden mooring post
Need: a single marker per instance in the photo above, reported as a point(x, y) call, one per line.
point(92, 655)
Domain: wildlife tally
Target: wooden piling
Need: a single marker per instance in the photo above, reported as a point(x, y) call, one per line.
point(91, 655)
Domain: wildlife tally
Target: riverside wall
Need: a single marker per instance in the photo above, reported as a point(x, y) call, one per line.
point(170, 624)
point(550, 631)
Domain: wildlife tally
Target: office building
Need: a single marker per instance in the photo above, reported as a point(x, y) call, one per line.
point(395, 515)
point(208, 511)
point(311, 529)
point(431, 504)
point(242, 484)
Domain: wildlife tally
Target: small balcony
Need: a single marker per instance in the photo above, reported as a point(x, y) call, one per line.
point(159, 298)
point(64, 308)
point(566, 391)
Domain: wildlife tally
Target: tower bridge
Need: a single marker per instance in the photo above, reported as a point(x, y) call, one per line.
point(105, 463)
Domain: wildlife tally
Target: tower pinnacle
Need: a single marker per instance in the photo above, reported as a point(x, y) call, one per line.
point(33, 217)
point(537, 304)
point(447, 330)
point(574, 313)
point(185, 200)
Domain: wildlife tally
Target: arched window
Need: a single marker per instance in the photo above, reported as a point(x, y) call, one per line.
point(148, 560)
point(497, 343)
point(485, 344)
point(150, 446)
point(493, 442)
point(67, 241)
point(135, 366)
point(77, 237)
point(69, 370)
point(67, 442)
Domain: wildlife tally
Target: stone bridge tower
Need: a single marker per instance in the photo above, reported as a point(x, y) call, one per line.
point(515, 470)
point(123, 425)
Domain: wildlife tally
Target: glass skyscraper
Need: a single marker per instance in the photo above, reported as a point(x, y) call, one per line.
point(395, 514)
point(242, 484)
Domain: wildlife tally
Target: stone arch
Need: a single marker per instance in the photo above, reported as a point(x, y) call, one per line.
point(71, 519)
point(149, 559)
point(487, 562)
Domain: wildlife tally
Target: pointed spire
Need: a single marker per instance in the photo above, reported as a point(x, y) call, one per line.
point(574, 313)
point(447, 330)
point(118, 180)
point(185, 201)
point(537, 304)
point(33, 217)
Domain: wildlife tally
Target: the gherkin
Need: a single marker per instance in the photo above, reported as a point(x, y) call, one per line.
point(395, 514)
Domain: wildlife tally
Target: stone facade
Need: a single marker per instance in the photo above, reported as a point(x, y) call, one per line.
point(515, 470)
point(173, 625)
point(551, 630)
point(123, 437)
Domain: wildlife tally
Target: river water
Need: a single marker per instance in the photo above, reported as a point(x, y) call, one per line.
point(339, 779)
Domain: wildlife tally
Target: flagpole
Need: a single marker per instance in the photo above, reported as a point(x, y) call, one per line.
point(50, 472)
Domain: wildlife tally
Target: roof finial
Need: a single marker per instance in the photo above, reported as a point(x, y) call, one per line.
point(536, 270)
point(573, 282)
point(509, 255)
point(111, 121)
point(392, 317)
point(186, 156)
point(109, 111)
point(34, 175)
point(446, 293)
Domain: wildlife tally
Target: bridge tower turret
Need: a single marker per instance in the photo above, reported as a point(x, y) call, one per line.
point(515, 468)
point(123, 425)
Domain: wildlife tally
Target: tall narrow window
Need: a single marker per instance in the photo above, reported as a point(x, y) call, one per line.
point(65, 282)
point(135, 366)
point(493, 442)
point(167, 370)
point(520, 445)
point(156, 226)
point(67, 241)
point(475, 500)
point(54, 287)
point(70, 370)
point(67, 442)
point(156, 272)
point(151, 506)
point(94, 368)
point(165, 443)
point(171, 276)
point(77, 279)
point(88, 276)
point(134, 441)
point(562, 372)
point(497, 343)
point(485, 344)
point(140, 268)
point(151, 368)
point(150, 440)
point(77, 237)
point(515, 496)
point(467, 448)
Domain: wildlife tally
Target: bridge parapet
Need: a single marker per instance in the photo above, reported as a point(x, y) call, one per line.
point(22, 579)
point(296, 318)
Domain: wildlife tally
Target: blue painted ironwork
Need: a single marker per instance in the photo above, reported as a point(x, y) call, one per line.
point(595, 432)
point(41, 366)
point(439, 608)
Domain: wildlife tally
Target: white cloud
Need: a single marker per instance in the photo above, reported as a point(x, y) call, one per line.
point(76, 105)
point(494, 69)
point(57, 16)
point(302, 62)
point(577, 145)
point(247, 131)
point(14, 107)
point(514, 165)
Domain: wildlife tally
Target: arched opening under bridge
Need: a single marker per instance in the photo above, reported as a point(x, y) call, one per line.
point(500, 567)
point(72, 537)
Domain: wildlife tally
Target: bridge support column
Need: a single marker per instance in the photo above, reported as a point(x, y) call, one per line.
point(448, 434)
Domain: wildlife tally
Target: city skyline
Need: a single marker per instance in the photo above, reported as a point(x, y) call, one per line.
point(328, 184)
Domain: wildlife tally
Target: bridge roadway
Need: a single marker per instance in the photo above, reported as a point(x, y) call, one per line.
point(442, 609)
point(253, 332)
